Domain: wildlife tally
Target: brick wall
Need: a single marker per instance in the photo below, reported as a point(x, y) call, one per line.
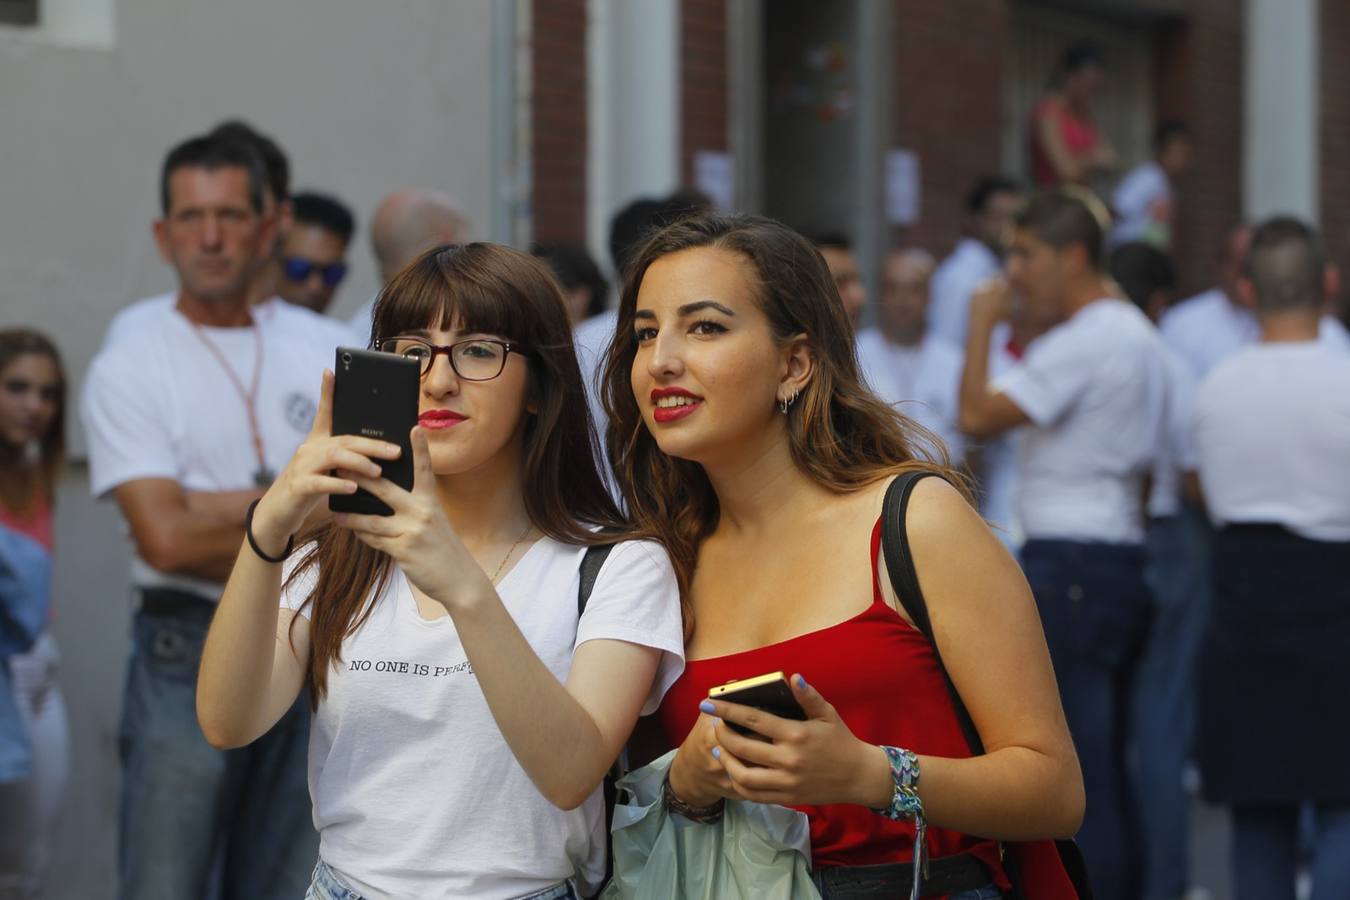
point(1335, 138)
point(1199, 79)
point(558, 119)
point(703, 80)
point(949, 60)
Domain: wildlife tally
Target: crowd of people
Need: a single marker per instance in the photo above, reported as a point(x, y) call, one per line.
point(1131, 549)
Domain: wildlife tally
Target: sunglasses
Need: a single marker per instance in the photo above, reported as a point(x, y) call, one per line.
point(297, 268)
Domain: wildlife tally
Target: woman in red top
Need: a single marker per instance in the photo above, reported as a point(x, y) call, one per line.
point(740, 432)
point(1067, 147)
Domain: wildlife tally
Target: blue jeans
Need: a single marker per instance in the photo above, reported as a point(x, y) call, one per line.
point(1163, 716)
point(1266, 852)
point(326, 885)
point(191, 813)
point(1094, 606)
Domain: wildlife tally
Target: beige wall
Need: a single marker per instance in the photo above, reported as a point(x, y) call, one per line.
point(366, 97)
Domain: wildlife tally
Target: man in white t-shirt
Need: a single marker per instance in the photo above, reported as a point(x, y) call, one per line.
point(189, 414)
point(1272, 431)
point(1178, 541)
point(837, 250)
point(405, 225)
point(1144, 201)
point(904, 363)
point(1211, 326)
point(1093, 390)
point(978, 257)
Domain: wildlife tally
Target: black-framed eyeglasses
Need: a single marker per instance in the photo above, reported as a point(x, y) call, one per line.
point(475, 359)
point(297, 268)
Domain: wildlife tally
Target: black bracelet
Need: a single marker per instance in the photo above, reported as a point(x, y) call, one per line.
point(248, 533)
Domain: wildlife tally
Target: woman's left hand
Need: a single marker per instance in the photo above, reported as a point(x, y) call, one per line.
point(809, 763)
point(418, 536)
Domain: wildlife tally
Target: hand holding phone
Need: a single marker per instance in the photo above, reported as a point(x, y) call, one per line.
point(770, 693)
point(375, 396)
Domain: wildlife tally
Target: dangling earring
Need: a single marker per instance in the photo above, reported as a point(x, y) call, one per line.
point(786, 403)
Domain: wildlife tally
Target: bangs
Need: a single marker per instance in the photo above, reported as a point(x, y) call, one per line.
point(440, 291)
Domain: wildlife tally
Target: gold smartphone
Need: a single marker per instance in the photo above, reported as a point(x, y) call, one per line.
point(770, 693)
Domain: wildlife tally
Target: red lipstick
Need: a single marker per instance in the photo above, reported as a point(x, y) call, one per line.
point(679, 403)
point(436, 419)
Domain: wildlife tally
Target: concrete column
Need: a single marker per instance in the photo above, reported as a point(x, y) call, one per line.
point(1281, 164)
point(633, 78)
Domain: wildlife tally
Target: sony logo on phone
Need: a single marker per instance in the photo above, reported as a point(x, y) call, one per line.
point(372, 432)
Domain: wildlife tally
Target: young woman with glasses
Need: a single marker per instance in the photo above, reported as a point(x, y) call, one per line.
point(34, 742)
point(464, 716)
point(741, 433)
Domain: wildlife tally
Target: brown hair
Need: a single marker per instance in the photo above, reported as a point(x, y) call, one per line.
point(20, 497)
point(841, 435)
point(495, 290)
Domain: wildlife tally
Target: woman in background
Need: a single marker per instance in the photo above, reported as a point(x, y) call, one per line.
point(34, 745)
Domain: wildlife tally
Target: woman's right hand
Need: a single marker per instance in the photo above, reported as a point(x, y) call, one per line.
point(315, 471)
point(695, 776)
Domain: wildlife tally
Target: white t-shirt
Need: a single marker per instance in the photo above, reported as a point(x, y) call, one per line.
point(416, 793)
point(967, 267)
point(143, 313)
point(1143, 206)
point(156, 403)
point(1178, 450)
point(998, 458)
point(1272, 430)
point(923, 381)
point(1095, 388)
point(1208, 328)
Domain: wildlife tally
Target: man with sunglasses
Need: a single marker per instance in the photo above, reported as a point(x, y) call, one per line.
point(313, 252)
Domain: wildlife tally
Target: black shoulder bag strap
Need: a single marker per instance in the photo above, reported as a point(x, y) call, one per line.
point(591, 562)
point(905, 581)
point(590, 570)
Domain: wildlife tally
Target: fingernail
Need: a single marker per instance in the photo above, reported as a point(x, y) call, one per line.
point(706, 706)
point(717, 753)
point(801, 682)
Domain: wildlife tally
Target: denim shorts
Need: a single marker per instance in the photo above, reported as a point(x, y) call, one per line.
point(327, 886)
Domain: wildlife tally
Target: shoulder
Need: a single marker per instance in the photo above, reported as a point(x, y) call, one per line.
point(943, 352)
point(638, 556)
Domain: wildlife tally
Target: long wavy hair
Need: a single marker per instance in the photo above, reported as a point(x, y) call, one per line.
point(841, 435)
point(495, 290)
point(21, 497)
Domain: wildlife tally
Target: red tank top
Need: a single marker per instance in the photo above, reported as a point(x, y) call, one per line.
point(880, 674)
point(1080, 135)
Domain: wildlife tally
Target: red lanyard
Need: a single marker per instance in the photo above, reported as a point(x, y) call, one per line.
point(263, 477)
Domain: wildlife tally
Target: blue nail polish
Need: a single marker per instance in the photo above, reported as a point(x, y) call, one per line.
point(717, 753)
point(706, 706)
point(801, 682)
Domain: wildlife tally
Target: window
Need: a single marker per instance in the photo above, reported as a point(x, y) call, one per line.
point(18, 12)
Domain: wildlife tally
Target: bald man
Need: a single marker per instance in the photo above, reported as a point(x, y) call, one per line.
point(905, 365)
point(405, 225)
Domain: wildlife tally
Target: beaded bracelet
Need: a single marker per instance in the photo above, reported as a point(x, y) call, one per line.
point(703, 815)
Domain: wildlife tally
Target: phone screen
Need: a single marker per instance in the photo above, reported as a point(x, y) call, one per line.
point(375, 395)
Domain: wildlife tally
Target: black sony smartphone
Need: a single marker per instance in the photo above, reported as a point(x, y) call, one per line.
point(375, 395)
point(767, 692)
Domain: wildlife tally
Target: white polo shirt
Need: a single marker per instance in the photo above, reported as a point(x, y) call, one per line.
point(1208, 328)
point(1178, 450)
point(1096, 390)
point(1272, 433)
point(967, 267)
point(157, 403)
point(923, 381)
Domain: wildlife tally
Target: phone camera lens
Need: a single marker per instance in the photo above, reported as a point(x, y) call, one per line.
point(346, 359)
